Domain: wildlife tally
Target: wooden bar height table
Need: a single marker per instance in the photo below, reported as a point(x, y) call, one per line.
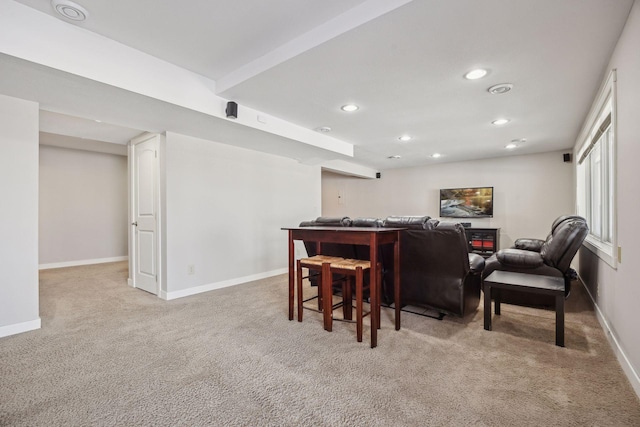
point(368, 236)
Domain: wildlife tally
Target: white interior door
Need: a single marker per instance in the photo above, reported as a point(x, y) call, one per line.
point(145, 213)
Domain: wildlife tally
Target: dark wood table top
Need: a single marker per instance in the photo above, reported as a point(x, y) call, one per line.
point(524, 280)
point(348, 229)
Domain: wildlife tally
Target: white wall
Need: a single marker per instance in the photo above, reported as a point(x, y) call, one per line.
point(83, 207)
point(224, 210)
point(18, 216)
point(530, 191)
point(617, 292)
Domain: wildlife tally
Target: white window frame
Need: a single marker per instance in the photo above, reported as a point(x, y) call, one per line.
point(588, 140)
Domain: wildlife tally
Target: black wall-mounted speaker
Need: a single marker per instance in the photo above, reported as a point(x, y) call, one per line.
point(378, 174)
point(566, 157)
point(232, 110)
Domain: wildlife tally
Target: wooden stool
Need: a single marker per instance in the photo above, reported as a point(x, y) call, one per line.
point(355, 269)
point(315, 263)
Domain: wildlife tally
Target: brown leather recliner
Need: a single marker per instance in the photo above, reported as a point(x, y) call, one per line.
point(550, 257)
point(436, 269)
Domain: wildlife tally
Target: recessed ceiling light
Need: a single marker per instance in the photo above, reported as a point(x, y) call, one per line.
point(500, 121)
point(70, 10)
point(324, 129)
point(405, 138)
point(500, 89)
point(349, 108)
point(394, 157)
point(436, 155)
point(478, 73)
point(510, 146)
point(98, 121)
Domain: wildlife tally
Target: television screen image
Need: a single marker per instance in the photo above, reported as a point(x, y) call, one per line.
point(466, 202)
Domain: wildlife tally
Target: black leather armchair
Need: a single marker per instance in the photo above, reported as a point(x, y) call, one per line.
point(332, 249)
point(362, 251)
point(536, 244)
point(550, 257)
point(436, 268)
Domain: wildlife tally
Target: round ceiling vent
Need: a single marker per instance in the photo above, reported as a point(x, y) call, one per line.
point(501, 88)
point(70, 10)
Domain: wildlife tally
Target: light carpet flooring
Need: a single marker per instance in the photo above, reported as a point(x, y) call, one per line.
point(110, 355)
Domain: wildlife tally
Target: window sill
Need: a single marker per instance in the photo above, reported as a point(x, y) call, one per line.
point(604, 251)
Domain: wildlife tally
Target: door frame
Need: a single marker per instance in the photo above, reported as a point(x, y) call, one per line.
point(131, 147)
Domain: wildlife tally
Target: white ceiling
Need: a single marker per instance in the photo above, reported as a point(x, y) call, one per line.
point(209, 37)
point(401, 61)
point(62, 124)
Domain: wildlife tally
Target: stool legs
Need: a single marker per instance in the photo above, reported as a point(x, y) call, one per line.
point(299, 289)
point(300, 295)
point(328, 303)
point(319, 287)
point(327, 300)
point(359, 298)
point(347, 298)
point(379, 292)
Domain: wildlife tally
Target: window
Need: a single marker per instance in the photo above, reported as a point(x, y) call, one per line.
point(596, 173)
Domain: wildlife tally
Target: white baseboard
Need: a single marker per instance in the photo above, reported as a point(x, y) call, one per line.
point(624, 361)
point(81, 262)
point(19, 328)
point(218, 285)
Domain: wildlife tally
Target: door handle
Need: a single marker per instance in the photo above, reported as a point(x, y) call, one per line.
point(135, 223)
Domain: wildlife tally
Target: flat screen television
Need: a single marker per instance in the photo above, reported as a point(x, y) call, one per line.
point(474, 202)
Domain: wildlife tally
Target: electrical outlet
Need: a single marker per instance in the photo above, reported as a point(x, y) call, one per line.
point(191, 269)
